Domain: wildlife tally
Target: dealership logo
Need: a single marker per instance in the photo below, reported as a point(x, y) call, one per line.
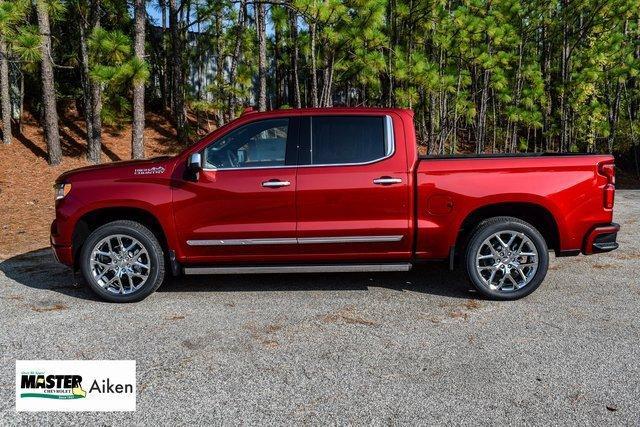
point(52, 386)
point(75, 385)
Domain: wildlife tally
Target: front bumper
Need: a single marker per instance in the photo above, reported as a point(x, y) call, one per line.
point(62, 253)
point(601, 239)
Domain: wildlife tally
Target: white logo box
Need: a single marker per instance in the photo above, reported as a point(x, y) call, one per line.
point(75, 385)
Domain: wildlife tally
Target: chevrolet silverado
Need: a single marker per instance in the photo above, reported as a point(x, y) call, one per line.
point(329, 190)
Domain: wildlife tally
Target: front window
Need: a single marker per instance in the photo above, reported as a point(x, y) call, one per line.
point(257, 144)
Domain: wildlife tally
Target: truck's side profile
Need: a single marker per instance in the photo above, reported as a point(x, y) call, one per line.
point(329, 190)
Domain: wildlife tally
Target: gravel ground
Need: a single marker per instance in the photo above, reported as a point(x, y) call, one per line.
point(346, 349)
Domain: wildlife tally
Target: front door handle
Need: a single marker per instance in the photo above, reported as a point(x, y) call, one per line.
point(387, 180)
point(275, 183)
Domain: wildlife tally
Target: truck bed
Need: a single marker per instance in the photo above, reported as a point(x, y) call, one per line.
point(566, 188)
point(501, 155)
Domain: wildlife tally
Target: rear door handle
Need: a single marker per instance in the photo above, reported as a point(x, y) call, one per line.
point(275, 183)
point(387, 180)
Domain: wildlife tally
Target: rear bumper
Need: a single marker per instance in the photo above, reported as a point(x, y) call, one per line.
point(601, 239)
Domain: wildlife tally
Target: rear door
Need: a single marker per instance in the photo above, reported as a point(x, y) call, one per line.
point(353, 196)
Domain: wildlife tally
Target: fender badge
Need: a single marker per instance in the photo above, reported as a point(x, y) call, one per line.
point(149, 171)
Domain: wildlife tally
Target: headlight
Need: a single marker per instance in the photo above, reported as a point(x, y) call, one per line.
point(61, 190)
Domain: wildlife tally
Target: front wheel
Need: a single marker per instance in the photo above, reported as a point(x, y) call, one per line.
point(506, 258)
point(122, 261)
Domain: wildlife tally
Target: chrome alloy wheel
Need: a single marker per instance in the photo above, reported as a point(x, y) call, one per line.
point(507, 261)
point(120, 264)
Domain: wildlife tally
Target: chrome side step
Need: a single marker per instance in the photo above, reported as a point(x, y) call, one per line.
point(334, 268)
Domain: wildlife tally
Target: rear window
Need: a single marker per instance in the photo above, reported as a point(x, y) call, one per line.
point(347, 139)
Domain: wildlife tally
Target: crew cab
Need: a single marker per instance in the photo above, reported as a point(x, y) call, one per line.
point(329, 190)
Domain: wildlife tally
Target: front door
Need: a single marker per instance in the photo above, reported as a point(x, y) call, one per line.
point(242, 207)
point(353, 195)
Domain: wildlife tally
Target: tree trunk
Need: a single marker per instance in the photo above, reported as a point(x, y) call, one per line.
point(443, 107)
point(52, 134)
point(519, 83)
point(92, 155)
point(614, 110)
point(96, 94)
point(295, 80)
point(432, 124)
point(20, 112)
point(4, 93)
point(455, 116)
point(387, 81)
point(164, 84)
point(96, 108)
point(220, 59)
point(314, 77)
point(545, 61)
point(329, 95)
point(137, 133)
point(277, 41)
point(233, 71)
point(179, 113)
point(482, 113)
point(261, 29)
point(325, 82)
point(564, 74)
point(92, 89)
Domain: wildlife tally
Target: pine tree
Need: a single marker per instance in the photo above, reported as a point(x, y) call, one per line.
point(89, 14)
point(12, 13)
point(178, 84)
point(137, 133)
point(52, 136)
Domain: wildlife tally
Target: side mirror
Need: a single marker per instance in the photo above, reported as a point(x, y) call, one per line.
point(194, 166)
point(195, 163)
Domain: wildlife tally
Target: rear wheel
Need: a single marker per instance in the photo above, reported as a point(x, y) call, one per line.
point(122, 261)
point(506, 258)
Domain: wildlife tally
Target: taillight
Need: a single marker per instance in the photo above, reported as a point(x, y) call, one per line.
point(609, 193)
point(608, 170)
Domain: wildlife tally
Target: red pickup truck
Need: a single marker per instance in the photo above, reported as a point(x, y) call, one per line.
point(329, 190)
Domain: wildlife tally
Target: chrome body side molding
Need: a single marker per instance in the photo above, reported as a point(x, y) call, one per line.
point(266, 269)
point(243, 242)
point(293, 240)
point(349, 239)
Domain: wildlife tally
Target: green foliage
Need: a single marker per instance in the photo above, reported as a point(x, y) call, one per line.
point(55, 8)
point(11, 13)
point(26, 44)
point(113, 65)
point(504, 75)
point(112, 47)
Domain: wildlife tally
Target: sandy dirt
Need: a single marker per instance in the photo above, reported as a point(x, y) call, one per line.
point(26, 180)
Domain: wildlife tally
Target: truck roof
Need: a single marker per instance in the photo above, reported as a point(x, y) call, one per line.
point(328, 110)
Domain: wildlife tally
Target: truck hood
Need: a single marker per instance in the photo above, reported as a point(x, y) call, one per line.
point(115, 170)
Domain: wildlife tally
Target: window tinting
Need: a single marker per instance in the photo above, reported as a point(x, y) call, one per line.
point(257, 144)
point(346, 139)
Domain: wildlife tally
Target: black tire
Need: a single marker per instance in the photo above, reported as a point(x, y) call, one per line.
point(150, 243)
point(486, 229)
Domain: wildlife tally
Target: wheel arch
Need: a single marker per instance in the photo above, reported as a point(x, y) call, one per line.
point(93, 219)
point(537, 215)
